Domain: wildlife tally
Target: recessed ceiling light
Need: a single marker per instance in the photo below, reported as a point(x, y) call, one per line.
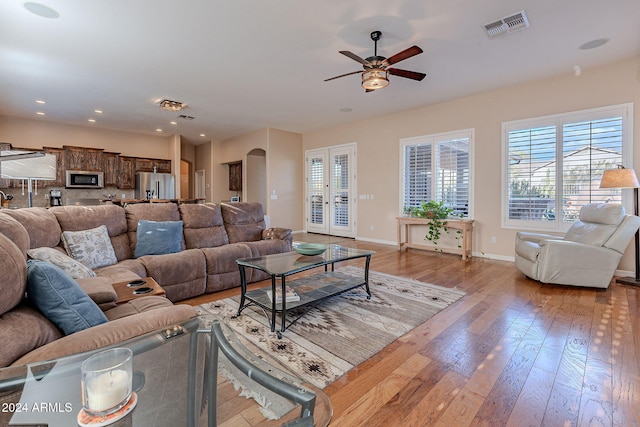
point(346, 109)
point(41, 10)
point(40, 101)
point(158, 130)
point(98, 111)
point(41, 113)
point(594, 44)
point(173, 123)
point(91, 120)
point(202, 135)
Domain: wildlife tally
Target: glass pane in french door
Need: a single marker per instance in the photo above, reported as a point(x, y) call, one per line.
point(340, 193)
point(315, 190)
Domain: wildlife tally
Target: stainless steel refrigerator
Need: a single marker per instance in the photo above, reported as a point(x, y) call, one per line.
point(151, 185)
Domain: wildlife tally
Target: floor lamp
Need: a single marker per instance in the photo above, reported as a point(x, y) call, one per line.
point(625, 178)
point(29, 166)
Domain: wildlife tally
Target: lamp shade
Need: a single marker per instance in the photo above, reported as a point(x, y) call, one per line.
point(41, 168)
point(376, 78)
point(619, 178)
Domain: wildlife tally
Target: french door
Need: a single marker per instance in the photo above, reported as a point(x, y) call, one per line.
point(331, 190)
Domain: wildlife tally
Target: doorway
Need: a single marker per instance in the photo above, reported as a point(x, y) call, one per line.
point(186, 182)
point(256, 173)
point(331, 190)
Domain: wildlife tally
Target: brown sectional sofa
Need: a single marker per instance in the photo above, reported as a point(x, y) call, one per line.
point(214, 236)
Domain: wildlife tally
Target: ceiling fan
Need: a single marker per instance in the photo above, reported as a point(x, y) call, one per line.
point(376, 72)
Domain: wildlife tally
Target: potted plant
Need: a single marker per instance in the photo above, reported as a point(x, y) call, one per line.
point(437, 214)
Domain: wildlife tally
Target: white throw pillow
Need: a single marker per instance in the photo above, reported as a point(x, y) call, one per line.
point(90, 247)
point(69, 265)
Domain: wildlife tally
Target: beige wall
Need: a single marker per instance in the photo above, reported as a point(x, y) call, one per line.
point(378, 144)
point(204, 162)
point(232, 150)
point(285, 171)
point(38, 133)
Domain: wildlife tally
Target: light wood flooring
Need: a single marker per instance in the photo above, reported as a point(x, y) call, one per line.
point(512, 352)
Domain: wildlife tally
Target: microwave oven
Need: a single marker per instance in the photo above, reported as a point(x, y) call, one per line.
point(84, 179)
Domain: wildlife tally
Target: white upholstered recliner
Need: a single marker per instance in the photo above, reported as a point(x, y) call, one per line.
point(587, 255)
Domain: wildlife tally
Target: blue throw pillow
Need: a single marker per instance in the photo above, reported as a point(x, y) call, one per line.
point(158, 237)
point(60, 298)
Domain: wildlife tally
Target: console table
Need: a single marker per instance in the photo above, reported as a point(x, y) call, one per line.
point(464, 225)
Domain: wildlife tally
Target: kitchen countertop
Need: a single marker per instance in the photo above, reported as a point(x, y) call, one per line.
point(124, 202)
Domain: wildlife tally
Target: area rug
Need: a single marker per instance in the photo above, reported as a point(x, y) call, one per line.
point(338, 334)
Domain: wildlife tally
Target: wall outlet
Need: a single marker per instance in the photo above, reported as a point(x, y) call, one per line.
point(493, 239)
point(371, 228)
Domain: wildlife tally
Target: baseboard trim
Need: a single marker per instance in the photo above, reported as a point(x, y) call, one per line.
point(382, 242)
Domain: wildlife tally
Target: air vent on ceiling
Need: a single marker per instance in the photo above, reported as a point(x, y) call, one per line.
point(185, 117)
point(508, 24)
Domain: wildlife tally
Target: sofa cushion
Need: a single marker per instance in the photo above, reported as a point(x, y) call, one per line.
point(60, 298)
point(112, 332)
point(243, 221)
point(33, 329)
point(91, 247)
point(158, 237)
point(11, 227)
point(13, 268)
point(182, 275)
point(78, 218)
point(41, 225)
point(151, 212)
point(203, 225)
point(73, 268)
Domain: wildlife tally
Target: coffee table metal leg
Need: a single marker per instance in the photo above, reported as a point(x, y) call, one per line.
point(243, 285)
point(273, 303)
point(366, 276)
point(284, 306)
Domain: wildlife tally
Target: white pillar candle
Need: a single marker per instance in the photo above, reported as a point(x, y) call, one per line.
point(108, 390)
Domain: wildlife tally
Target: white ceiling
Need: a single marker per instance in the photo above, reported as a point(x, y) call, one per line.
point(243, 65)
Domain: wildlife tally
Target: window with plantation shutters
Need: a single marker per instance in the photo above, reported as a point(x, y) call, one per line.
point(437, 167)
point(553, 165)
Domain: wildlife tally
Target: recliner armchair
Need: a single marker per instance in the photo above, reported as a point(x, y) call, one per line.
point(587, 255)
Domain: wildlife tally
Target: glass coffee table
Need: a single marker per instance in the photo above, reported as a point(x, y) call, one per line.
point(310, 289)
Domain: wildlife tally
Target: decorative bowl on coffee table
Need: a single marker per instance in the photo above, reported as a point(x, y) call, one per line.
point(310, 248)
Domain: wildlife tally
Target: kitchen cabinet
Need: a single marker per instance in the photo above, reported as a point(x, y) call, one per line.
point(126, 173)
point(83, 159)
point(235, 176)
point(146, 165)
point(111, 168)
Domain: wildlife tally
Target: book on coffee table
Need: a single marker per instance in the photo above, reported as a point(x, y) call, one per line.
point(291, 294)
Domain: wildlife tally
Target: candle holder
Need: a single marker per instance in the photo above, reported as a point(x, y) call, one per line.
point(107, 382)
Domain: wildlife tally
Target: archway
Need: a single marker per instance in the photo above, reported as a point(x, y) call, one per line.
point(256, 175)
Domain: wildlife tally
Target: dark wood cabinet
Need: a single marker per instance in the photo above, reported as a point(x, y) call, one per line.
point(146, 165)
point(164, 166)
point(235, 176)
point(111, 168)
point(83, 159)
point(126, 173)
point(60, 167)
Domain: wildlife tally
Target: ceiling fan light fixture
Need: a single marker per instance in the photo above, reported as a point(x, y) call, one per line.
point(376, 78)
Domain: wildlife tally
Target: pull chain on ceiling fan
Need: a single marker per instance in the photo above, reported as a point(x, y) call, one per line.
point(376, 74)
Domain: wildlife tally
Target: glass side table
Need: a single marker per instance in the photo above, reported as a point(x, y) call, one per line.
point(172, 378)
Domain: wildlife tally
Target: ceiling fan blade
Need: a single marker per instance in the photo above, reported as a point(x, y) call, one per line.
point(401, 56)
point(355, 57)
point(342, 75)
point(407, 74)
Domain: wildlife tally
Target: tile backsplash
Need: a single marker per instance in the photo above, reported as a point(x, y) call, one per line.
point(68, 195)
